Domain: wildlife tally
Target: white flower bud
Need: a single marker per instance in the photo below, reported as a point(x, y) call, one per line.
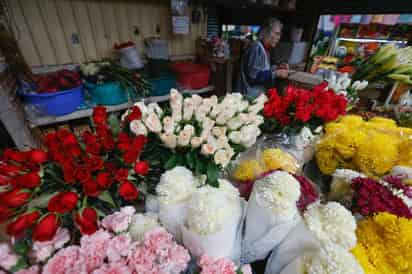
point(138, 128)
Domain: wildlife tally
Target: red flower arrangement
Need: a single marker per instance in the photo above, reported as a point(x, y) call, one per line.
point(300, 107)
point(74, 182)
point(372, 197)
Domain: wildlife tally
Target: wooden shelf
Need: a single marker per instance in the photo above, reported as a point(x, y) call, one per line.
point(36, 121)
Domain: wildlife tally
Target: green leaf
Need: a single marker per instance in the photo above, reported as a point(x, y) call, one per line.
point(114, 124)
point(190, 160)
point(21, 248)
point(106, 197)
point(212, 174)
point(171, 163)
point(42, 201)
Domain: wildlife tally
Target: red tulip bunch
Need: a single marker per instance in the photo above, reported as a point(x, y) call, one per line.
point(300, 107)
point(73, 181)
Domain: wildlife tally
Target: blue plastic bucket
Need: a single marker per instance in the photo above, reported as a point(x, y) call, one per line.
point(55, 103)
point(161, 86)
point(110, 93)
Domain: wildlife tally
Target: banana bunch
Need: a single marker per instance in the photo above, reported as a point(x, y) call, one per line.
point(388, 63)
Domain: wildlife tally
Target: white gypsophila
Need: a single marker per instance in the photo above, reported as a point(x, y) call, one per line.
point(170, 140)
point(332, 223)
point(188, 109)
point(235, 123)
point(208, 149)
point(176, 185)
point(176, 103)
point(152, 122)
point(196, 142)
point(168, 125)
point(142, 223)
point(154, 107)
point(221, 158)
point(209, 210)
point(235, 137)
point(278, 192)
point(331, 259)
point(138, 128)
point(219, 131)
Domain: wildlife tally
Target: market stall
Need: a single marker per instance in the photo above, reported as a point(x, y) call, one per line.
point(152, 170)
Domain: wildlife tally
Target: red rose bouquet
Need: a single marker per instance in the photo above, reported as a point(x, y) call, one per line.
point(74, 183)
point(300, 107)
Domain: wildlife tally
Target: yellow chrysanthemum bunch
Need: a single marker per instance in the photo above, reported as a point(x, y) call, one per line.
point(271, 159)
point(372, 147)
point(384, 244)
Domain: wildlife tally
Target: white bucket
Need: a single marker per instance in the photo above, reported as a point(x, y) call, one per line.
point(130, 58)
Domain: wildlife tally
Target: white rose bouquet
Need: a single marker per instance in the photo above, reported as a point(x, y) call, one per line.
point(322, 225)
point(213, 226)
point(271, 214)
point(202, 134)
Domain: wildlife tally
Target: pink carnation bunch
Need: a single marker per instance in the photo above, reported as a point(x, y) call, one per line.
point(211, 265)
point(105, 252)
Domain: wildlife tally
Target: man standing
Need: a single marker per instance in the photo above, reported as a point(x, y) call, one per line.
point(256, 73)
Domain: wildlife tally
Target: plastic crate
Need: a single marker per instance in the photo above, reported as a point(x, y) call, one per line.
point(162, 85)
point(110, 93)
point(192, 76)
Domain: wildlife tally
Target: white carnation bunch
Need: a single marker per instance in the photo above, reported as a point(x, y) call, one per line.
point(209, 209)
point(332, 223)
point(176, 185)
point(331, 259)
point(278, 192)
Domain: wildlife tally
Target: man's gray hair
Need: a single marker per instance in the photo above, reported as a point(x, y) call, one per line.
point(267, 26)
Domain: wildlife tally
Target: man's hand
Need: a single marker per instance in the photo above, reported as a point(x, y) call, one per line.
point(282, 73)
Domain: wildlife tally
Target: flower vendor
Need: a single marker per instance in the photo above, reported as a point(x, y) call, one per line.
point(255, 69)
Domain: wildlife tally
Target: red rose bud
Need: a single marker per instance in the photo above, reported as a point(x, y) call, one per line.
point(4, 180)
point(104, 180)
point(23, 222)
point(87, 221)
point(135, 114)
point(68, 172)
point(82, 174)
point(6, 169)
point(63, 134)
point(91, 188)
point(30, 180)
point(139, 142)
point(46, 228)
point(130, 157)
point(5, 213)
point(63, 202)
point(128, 191)
point(93, 148)
point(110, 167)
point(94, 163)
point(14, 198)
point(141, 168)
point(17, 156)
point(108, 143)
point(70, 141)
point(121, 175)
point(99, 115)
point(38, 156)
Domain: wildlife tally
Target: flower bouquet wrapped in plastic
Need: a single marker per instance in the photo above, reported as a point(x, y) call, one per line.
point(214, 222)
point(321, 224)
point(173, 193)
point(329, 259)
point(271, 214)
